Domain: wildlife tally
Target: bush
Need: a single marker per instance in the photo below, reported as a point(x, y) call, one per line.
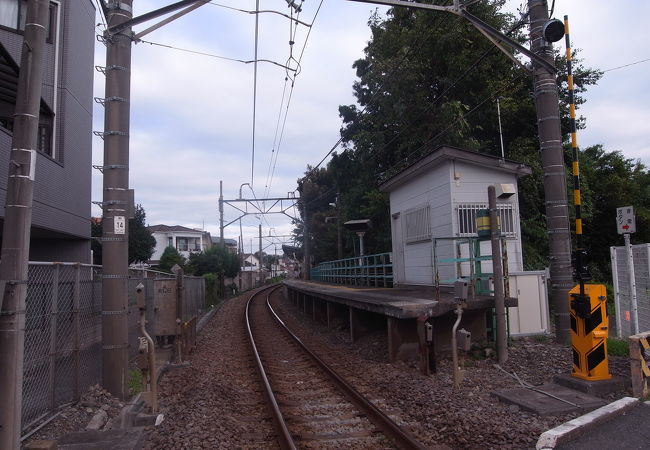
point(618, 347)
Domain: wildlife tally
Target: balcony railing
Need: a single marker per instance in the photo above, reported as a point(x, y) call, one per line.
point(369, 270)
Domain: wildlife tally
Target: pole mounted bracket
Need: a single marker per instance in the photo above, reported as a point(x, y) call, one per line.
point(102, 101)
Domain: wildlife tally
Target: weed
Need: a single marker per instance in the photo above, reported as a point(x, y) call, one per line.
point(135, 382)
point(618, 347)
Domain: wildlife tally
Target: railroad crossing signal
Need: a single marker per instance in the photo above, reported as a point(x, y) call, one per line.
point(589, 331)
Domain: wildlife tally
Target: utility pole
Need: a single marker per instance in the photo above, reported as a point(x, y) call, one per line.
point(115, 232)
point(261, 258)
point(339, 241)
point(17, 224)
point(222, 286)
point(555, 190)
point(306, 252)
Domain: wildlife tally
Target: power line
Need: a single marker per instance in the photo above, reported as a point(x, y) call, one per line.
point(627, 65)
point(298, 62)
point(101, 13)
point(257, 16)
point(196, 52)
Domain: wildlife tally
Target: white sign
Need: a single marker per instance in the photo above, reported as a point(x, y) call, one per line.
point(119, 225)
point(625, 222)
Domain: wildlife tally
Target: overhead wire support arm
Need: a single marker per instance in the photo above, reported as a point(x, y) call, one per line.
point(153, 14)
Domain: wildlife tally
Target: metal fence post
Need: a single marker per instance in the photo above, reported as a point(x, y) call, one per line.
point(76, 328)
point(53, 327)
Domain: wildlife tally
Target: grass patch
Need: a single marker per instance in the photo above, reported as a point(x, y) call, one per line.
point(135, 382)
point(618, 347)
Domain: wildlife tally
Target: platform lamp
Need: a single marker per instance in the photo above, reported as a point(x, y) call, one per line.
point(359, 226)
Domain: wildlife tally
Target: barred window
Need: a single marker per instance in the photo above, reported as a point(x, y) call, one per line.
point(467, 218)
point(418, 224)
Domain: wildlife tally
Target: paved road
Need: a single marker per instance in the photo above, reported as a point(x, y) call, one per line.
point(626, 432)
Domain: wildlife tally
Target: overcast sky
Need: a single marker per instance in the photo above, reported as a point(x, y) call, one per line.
point(192, 115)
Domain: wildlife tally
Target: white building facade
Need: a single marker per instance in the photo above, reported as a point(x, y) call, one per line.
point(185, 240)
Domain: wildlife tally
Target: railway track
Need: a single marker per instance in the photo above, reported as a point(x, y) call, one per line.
point(311, 405)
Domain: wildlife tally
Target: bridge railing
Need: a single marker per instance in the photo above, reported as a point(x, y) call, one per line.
point(368, 270)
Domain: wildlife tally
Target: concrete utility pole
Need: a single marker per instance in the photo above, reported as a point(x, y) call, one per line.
point(115, 232)
point(339, 240)
point(18, 222)
point(261, 258)
point(222, 286)
point(555, 190)
point(305, 241)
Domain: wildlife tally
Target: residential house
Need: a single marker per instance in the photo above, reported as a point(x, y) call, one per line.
point(185, 240)
point(231, 244)
point(62, 190)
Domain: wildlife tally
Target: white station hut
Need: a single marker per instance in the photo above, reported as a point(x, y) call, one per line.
point(437, 199)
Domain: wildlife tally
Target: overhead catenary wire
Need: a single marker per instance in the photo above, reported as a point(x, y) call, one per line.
point(302, 52)
point(211, 55)
point(257, 26)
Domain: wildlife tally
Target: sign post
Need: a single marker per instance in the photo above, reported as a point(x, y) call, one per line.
point(626, 224)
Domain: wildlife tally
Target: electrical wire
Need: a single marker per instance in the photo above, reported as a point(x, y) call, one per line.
point(257, 26)
point(302, 52)
point(101, 13)
point(627, 65)
point(158, 44)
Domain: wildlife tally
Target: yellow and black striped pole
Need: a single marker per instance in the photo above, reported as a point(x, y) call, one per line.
point(589, 321)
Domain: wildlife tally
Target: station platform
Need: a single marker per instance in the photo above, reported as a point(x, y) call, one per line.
point(417, 320)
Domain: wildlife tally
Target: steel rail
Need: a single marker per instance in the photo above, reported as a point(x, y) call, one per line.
point(402, 438)
point(284, 436)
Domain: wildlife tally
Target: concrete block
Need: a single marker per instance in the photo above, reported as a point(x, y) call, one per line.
point(597, 388)
point(41, 445)
point(569, 430)
point(539, 402)
point(98, 420)
point(132, 439)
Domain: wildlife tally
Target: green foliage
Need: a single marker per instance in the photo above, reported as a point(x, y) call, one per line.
point(212, 289)
point(432, 79)
point(618, 347)
point(135, 382)
point(215, 260)
point(610, 180)
point(169, 258)
point(141, 241)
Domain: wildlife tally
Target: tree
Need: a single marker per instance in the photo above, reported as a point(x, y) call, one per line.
point(214, 260)
point(429, 79)
point(169, 258)
point(141, 242)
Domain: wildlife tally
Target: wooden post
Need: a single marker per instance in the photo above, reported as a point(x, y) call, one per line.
point(640, 364)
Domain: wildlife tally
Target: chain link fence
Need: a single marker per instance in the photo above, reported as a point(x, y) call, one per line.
point(63, 350)
point(62, 336)
point(622, 290)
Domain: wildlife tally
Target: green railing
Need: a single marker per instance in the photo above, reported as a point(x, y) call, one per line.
point(369, 270)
